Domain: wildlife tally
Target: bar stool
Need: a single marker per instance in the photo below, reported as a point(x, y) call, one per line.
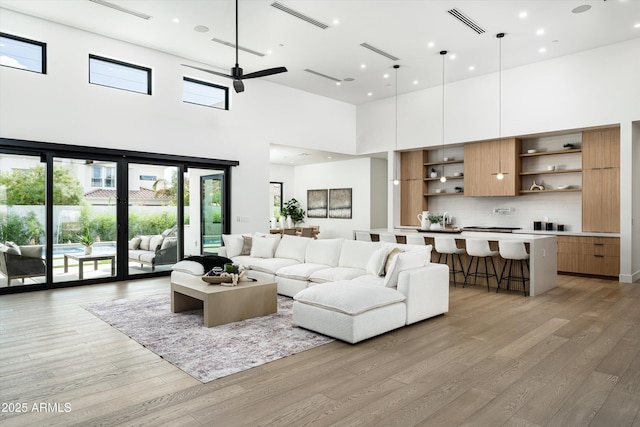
point(363, 235)
point(479, 248)
point(415, 239)
point(514, 251)
point(388, 237)
point(447, 246)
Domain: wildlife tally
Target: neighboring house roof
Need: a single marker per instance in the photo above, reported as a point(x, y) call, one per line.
point(134, 195)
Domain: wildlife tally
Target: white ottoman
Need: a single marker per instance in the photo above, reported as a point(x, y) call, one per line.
point(349, 311)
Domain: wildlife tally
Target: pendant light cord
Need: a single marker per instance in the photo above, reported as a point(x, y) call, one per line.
point(443, 178)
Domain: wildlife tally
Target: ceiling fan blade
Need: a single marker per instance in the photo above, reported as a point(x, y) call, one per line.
point(208, 71)
point(264, 73)
point(238, 86)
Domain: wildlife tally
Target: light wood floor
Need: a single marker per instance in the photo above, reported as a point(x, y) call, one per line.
point(570, 357)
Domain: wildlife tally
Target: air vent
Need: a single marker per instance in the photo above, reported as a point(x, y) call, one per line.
point(466, 20)
point(122, 9)
point(322, 75)
point(379, 52)
point(299, 15)
point(233, 45)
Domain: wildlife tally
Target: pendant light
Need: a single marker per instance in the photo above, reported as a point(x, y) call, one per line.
point(443, 178)
point(500, 175)
point(396, 180)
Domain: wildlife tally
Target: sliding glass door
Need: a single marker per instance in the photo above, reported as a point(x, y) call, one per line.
point(153, 217)
point(22, 221)
point(84, 219)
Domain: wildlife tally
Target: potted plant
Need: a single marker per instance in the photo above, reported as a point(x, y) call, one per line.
point(435, 220)
point(293, 211)
point(87, 241)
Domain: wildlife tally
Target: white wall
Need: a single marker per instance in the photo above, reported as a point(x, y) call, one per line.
point(354, 174)
point(592, 88)
point(62, 107)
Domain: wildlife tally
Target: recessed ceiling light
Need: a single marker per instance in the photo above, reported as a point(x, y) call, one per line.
point(363, 66)
point(338, 83)
point(269, 52)
point(523, 14)
point(386, 76)
point(430, 44)
point(637, 25)
point(415, 82)
point(201, 28)
point(336, 22)
point(540, 31)
point(542, 50)
point(452, 57)
point(176, 20)
point(581, 9)
point(471, 68)
point(370, 94)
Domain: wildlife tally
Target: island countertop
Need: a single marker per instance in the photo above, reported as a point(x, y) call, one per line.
point(543, 258)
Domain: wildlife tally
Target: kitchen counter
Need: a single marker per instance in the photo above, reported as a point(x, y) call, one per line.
point(543, 259)
point(566, 233)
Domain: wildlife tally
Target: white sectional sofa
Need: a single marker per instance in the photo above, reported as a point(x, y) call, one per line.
point(351, 290)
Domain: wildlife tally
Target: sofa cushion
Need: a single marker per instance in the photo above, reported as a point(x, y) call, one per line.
point(190, 267)
point(377, 261)
point(405, 261)
point(169, 242)
point(270, 265)
point(356, 253)
point(135, 243)
point(233, 244)
point(12, 248)
point(300, 271)
point(348, 297)
point(263, 247)
point(147, 256)
point(324, 251)
point(368, 279)
point(292, 247)
point(144, 242)
point(335, 273)
point(156, 242)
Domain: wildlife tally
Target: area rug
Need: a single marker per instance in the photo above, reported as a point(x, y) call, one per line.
point(207, 353)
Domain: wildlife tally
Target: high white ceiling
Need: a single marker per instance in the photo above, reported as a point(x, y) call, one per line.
point(402, 28)
point(414, 31)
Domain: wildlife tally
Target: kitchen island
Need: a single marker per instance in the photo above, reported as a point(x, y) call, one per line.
point(543, 259)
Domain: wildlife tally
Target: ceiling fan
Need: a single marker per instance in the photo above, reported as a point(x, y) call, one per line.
point(236, 72)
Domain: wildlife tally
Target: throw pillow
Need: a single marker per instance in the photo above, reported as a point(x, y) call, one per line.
point(144, 242)
point(404, 261)
point(13, 248)
point(246, 245)
point(233, 244)
point(377, 262)
point(169, 242)
point(134, 243)
point(155, 243)
point(390, 258)
point(263, 247)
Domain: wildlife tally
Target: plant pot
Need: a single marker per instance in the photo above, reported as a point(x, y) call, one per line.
point(435, 226)
point(87, 250)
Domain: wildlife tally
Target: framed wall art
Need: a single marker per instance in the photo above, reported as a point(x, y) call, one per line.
point(340, 203)
point(317, 203)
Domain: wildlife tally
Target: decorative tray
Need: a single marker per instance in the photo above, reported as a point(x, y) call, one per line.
point(217, 279)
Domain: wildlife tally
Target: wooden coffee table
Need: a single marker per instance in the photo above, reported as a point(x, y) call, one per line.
point(225, 304)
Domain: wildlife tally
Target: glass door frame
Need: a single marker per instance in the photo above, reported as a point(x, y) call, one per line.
point(48, 151)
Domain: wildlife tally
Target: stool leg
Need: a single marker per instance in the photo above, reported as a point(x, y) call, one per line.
point(524, 281)
point(464, 274)
point(439, 256)
point(495, 273)
point(453, 268)
point(504, 267)
point(486, 272)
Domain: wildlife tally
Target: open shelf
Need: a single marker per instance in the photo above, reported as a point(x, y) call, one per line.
point(450, 162)
point(550, 153)
point(451, 193)
point(448, 178)
point(547, 172)
point(566, 190)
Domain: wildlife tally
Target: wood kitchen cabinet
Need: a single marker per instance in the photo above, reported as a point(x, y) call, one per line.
point(482, 160)
point(601, 180)
point(412, 186)
point(598, 256)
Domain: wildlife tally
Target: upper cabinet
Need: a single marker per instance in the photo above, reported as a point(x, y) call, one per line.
point(483, 160)
point(601, 180)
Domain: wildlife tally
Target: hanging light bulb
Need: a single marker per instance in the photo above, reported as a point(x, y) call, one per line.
point(443, 178)
point(500, 175)
point(396, 181)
